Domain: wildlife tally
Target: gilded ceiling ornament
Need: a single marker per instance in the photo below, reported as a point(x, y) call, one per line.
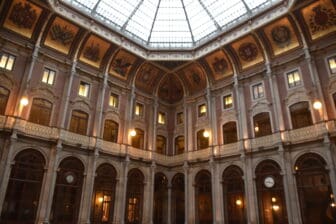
point(321, 19)
point(219, 65)
point(91, 52)
point(61, 34)
point(23, 15)
point(281, 35)
point(248, 51)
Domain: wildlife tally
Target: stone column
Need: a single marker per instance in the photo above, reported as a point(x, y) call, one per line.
point(124, 191)
point(48, 186)
point(65, 102)
point(97, 130)
point(169, 203)
point(292, 198)
point(215, 201)
point(250, 192)
point(330, 148)
point(85, 211)
point(186, 192)
point(6, 164)
point(151, 195)
point(152, 135)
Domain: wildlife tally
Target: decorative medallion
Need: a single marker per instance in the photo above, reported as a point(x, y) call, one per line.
point(321, 19)
point(91, 52)
point(23, 15)
point(69, 177)
point(61, 34)
point(121, 65)
point(220, 65)
point(281, 36)
point(248, 51)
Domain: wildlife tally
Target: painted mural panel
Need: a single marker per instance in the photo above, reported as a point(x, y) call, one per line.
point(219, 65)
point(121, 64)
point(61, 35)
point(147, 77)
point(22, 17)
point(320, 18)
point(94, 50)
point(281, 36)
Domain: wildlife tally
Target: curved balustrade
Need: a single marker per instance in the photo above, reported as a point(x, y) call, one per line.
point(23, 127)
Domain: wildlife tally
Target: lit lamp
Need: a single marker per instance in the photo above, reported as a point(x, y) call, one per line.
point(239, 202)
point(24, 101)
point(100, 199)
point(317, 105)
point(132, 133)
point(256, 128)
point(206, 134)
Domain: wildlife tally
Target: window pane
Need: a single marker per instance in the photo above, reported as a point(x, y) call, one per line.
point(10, 62)
point(84, 89)
point(332, 64)
point(40, 111)
point(3, 61)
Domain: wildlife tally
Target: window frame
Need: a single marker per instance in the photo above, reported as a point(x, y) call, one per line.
point(328, 65)
point(176, 119)
point(140, 115)
point(87, 122)
point(54, 78)
point(88, 92)
point(261, 83)
point(118, 102)
point(39, 107)
point(199, 114)
point(292, 71)
point(6, 63)
point(223, 101)
point(164, 116)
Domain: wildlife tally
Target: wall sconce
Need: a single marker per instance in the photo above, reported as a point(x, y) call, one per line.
point(132, 133)
point(275, 207)
point(317, 105)
point(256, 128)
point(100, 199)
point(239, 202)
point(273, 199)
point(206, 134)
point(24, 101)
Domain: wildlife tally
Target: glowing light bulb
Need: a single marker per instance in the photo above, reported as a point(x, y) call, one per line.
point(206, 134)
point(24, 101)
point(239, 202)
point(133, 133)
point(317, 105)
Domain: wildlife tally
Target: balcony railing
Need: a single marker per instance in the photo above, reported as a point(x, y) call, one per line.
point(311, 133)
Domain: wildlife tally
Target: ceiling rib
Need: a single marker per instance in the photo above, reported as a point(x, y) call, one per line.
point(151, 30)
point(187, 18)
point(131, 15)
point(210, 15)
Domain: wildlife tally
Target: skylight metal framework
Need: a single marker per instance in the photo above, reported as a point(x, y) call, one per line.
point(171, 24)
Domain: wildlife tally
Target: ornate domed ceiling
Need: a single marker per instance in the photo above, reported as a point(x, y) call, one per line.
point(171, 24)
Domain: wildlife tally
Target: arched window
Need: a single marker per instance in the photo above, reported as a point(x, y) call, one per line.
point(104, 194)
point(79, 122)
point(203, 197)
point(230, 132)
point(161, 144)
point(317, 201)
point(110, 131)
point(234, 196)
point(138, 139)
point(270, 192)
point(202, 142)
point(134, 197)
point(262, 124)
point(68, 191)
point(179, 144)
point(24, 187)
point(177, 199)
point(300, 115)
point(160, 199)
point(4, 95)
point(40, 112)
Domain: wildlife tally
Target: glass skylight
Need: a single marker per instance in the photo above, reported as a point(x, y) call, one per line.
point(170, 24)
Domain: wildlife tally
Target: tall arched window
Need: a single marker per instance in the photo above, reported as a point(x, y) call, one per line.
point(317, 201)
point(177, 199)
point(104, 194)
point(79, 122)
point(134, 197)
point(40, 112)
point(202, 141)
point(203, 198)
point(230, 132)
point(160, 199)
point(300, 115)
point(262, 124)
point(68, 191)
point(179, 144)
point(234, 196)
point(110, 131)
point(138, 139)
point(161, 144)
point(4, 95)
point(270, 192)
point(24, 187)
